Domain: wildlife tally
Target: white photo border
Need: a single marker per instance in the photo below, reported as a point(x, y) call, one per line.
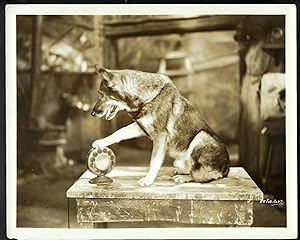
point(289, 10)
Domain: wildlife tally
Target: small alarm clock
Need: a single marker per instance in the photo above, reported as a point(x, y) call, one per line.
point(101, 161)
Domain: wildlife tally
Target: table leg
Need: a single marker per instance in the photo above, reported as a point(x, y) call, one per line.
point(101, 225)
point(87, 225)
point(93, 225)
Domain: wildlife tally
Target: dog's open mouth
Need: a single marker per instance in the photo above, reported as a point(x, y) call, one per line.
point(111, 113)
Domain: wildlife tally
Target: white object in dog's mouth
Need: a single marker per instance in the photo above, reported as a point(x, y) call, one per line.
point(111, 113)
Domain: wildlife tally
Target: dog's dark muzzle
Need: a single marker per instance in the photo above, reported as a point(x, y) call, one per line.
point(93, 113)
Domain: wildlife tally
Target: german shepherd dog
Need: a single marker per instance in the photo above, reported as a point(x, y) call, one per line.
point(160, 112)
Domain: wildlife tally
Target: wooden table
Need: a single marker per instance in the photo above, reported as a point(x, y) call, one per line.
point(227, 201)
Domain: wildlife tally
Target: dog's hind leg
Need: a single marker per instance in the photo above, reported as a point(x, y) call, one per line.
point(182, 165)
point(131, 131)
point(205, 174)
point(183, 178)
point(200, 174)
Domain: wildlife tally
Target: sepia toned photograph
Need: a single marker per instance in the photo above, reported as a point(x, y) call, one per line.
point(161, 121)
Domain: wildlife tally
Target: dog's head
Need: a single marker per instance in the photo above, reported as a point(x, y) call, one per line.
point(125, 90)
point(110, 99)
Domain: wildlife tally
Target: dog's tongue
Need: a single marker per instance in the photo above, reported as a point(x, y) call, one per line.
point(111, 112)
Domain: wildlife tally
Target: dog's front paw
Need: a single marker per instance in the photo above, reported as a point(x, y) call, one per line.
point(100, 143)
point(145, 181)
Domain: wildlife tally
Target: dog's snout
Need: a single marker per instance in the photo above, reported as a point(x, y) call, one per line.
point(93, 113)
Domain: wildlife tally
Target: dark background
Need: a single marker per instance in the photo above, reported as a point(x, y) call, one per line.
point(57, 86)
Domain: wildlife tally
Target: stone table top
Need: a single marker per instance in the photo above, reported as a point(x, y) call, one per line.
point(237, 186)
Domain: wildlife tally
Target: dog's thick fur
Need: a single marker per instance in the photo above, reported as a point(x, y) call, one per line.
point(159, 111)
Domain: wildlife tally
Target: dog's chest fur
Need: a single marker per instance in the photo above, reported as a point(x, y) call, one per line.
point(173, 115)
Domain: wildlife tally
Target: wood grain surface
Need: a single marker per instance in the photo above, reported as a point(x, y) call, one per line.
point(237, 186)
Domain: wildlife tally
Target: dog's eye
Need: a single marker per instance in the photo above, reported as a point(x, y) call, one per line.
point(104, 82)
point(101, 94)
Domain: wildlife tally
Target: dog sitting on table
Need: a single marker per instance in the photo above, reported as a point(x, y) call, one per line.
point(160, 112)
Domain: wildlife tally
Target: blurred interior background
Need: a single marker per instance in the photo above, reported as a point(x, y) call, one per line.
point(230, 67)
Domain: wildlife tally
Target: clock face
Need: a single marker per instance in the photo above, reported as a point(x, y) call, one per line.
point(101, 160)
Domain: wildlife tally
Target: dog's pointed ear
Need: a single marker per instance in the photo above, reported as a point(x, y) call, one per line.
point(105, 73)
